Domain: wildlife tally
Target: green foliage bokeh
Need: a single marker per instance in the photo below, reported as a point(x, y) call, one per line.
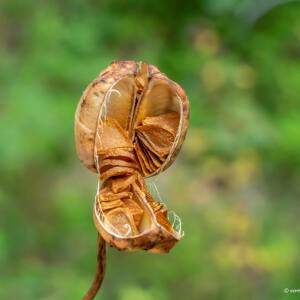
point(235, 183)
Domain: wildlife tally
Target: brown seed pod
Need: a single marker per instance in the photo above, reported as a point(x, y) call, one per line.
point(121, 84)
point(130, 124)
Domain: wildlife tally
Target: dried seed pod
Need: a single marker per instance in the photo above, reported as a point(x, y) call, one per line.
point(130, 124)
point(134, 92)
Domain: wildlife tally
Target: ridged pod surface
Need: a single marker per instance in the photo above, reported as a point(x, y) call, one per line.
point(130, 124)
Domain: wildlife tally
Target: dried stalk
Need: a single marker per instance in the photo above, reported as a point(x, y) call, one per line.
point(99, 271)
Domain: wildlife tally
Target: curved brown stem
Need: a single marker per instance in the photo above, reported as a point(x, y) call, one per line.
point(99, 272)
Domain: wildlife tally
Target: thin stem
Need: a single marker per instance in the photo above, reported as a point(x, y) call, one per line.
point(99, 272)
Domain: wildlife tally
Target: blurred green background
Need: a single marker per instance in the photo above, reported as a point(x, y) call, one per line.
point(236, 183)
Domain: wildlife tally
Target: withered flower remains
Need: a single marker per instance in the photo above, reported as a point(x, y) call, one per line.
point(130, 124)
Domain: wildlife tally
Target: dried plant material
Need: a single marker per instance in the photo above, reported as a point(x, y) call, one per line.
point(130, 124)
point(120, 102)
point(155, 138)
point(109, 196)
point(116, 171)
point(111, 135)
point(168, 121)
point(106, 164)
point(152, 166)
point(119, 153)
point(136, 211)
point(122, 220)
point(101, 260)
point(122, 183)
point(142, 158)
point(143, 151)
point(157, 162)
point(108, 205)
point(160, 212)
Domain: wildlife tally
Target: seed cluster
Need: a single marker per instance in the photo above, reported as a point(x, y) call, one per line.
point(122, 165)
point(130, 124)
